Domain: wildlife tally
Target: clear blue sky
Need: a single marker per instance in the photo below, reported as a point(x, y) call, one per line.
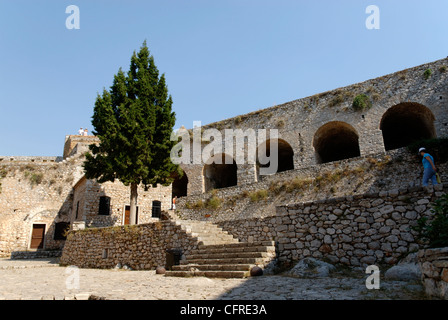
point(221, 57)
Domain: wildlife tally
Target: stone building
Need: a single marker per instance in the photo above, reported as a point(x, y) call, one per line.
point(107, 204)
point(42, 197)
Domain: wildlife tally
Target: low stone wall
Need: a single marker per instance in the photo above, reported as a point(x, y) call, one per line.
point(434, 265)
point(141, 247)
point(356, 230)
point(36, 254)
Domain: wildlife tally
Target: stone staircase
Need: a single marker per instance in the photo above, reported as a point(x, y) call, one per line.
point(226, 260)
point(205, 232)
point(219, 254)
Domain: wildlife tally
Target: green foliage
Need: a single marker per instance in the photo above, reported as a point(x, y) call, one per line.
point(361, 102)
point(340, 96)
point(3, 174)
point(427, 73)
point(443, 69)
point(258, 195)
point(134, 122)
point(437, 147)
point(213, 203)
point(35, 178)
point(238, 120)
point(435, 232)
point(280, 123)
point(338, 99)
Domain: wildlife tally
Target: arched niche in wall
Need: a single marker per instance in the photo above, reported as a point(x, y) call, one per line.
point(220, 171)
point(405, 123)
point(284, 151)
point(335, 141)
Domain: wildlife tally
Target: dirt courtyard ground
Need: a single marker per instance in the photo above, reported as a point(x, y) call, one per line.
point(46, 280)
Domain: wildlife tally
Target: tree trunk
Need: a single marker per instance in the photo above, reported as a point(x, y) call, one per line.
point(133, 212)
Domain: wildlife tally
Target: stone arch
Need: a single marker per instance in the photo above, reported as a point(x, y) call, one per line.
point(405, 123)
point(285, 154)
point(335, 141)
point(180, 185)
point(220, 171)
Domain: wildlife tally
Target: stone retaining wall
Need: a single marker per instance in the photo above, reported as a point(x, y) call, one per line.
point(370, 174)
point(434, 265)
point(357, 230)
point(138, 246)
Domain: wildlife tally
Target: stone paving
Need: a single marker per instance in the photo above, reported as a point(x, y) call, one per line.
point(45, 279)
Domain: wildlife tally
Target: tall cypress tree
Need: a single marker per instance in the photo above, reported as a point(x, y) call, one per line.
point(133, 121)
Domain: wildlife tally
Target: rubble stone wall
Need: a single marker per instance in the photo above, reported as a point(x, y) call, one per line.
point(434, 266)
point(356, 230)
point(138, 246)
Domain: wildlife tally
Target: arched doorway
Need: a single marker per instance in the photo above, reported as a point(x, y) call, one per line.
point(335, 141)
point(285, 154)
point(220, 171)
point(405, 123)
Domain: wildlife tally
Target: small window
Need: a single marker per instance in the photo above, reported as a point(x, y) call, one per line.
point(60, 230)
point(156, 209)
point(104, 209)
point(77, 210)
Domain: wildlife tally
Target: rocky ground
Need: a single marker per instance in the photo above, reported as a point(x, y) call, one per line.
point(45, 279)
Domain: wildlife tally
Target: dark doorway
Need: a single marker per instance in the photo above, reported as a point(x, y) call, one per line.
point(285, 154)
point(127, 215)
point(37, 236)
point(104, 207)
point(405, 123)
point(220, 172)
point(60, 230)
point(336, 141)
point(180, 185)
point(173, 257)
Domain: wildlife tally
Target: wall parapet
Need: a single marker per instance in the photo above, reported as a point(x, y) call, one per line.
point(29, 159)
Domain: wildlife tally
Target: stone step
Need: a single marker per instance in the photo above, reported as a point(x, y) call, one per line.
point(217, 238)
point(212, 242)
point(214, 267)
point(223, 261)
point(238, 245)
point(227, 255)
point(202, 228)
point(208, 274)
point(249, 248)
point(206, 233)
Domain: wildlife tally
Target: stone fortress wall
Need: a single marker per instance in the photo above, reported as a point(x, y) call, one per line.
point(326, 127)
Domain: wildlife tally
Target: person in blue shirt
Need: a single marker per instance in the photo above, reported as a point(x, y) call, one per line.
point(429, 168)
